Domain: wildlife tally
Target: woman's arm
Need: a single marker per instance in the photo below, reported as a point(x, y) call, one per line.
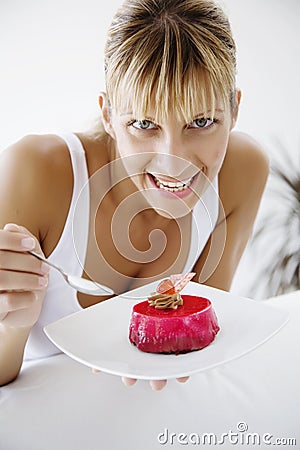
point(27, 192)
point(241, 184)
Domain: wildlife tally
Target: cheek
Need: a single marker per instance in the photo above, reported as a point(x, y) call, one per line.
point(126, 145)
point(220, 153)
point(215, 161)
point(215, 152)
point(221, 145)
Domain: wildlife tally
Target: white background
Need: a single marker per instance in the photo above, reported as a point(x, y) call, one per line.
point(52, 68)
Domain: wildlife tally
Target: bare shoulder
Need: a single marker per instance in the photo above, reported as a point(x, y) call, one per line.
point(244, 172)
point(247, 151)
point(43, 151)
point(36, 162)
point(34, 173)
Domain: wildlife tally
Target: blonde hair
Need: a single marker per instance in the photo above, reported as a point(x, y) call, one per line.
point(175, 54)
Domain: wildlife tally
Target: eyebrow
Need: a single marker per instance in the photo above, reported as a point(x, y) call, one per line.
point(208, 112)
point(144, 118)
point(128, 113)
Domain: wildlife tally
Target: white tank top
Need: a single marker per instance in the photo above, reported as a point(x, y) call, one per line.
point(61, 299)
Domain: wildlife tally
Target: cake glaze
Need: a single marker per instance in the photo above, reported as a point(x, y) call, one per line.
point(191, 326)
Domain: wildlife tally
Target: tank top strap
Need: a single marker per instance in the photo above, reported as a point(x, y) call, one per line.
point(61, 299)
point(72, 257)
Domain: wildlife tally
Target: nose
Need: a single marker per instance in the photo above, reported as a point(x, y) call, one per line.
point(171, 165)
point(173, 144)
point(172, 158)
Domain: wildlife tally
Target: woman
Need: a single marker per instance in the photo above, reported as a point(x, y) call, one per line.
point(164, 186)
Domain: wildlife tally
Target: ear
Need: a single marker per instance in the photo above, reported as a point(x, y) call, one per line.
point(237, 101)
point(106, 115)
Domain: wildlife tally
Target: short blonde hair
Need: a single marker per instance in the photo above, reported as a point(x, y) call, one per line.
point(174, 54)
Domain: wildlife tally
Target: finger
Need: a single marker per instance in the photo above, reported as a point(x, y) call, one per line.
point(17, 241)
point(95, 371)
point(22, 262)
point(27, 243)
point(182, 379)
point(14, 301)
point(158, 385)
point(129, 381)
point(17, 228)
point(12, 227)
point(12, 281)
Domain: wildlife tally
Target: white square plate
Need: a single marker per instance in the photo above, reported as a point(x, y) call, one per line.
point(98, 336)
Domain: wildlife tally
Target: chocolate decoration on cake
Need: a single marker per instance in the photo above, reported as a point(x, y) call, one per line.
point(165, 301)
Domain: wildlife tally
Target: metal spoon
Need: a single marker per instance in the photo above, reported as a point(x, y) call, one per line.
point(78, 283)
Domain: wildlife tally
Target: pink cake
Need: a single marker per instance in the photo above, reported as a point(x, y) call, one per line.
point(173, 323)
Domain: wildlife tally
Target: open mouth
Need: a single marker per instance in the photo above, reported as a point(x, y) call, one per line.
point(172, 186)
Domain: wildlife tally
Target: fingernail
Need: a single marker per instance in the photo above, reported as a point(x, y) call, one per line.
point(28, 243)
point(183, 379)
point(129, 381)
point(43, 281)
point(158, 385)
point(45, 268)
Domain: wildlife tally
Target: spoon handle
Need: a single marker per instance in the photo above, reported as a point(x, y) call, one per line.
point(38, 256)
point(78, 283)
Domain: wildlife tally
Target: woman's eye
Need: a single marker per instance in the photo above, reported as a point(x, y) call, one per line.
point(201, 123)
point(143, 124)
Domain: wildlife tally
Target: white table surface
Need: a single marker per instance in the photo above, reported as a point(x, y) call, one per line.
point(58, 404)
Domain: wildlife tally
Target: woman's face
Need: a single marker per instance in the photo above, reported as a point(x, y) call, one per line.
point(170, 162)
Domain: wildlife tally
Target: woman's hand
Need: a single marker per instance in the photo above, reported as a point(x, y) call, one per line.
point(23, 278)
point(156, 385)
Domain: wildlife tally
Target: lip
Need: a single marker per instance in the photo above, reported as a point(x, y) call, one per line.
point(173, 195)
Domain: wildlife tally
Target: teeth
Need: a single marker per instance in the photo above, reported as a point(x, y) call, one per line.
point(172, 186)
